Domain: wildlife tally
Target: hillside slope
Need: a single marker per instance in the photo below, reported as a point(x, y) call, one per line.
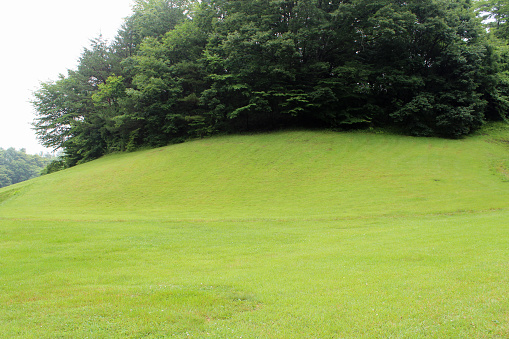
point(297, 174)
point(286, 235)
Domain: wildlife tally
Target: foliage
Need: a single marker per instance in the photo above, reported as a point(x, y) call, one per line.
point(54, 166)
point(495, 13)
point(17, 166)
point(187, 69)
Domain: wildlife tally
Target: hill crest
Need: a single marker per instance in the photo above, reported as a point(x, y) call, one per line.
point(285, 175)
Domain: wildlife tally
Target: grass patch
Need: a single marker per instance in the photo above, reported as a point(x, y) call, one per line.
point(286, 235)
point(8, 193)
point(438, 276)
point(282, 175)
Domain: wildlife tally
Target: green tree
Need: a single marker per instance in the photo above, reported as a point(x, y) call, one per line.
point(184, 69)
point(62, 106)
point(70, 115)
point(17, 166)
point(496, 14)
point(169, 79)
point(425, 60)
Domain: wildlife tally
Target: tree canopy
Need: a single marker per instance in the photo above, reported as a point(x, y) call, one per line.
point(17, 166)
point(187, 69)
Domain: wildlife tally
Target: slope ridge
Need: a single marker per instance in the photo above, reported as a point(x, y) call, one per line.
point(296, 174)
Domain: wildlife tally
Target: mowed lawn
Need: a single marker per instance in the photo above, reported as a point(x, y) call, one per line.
point(299, 234)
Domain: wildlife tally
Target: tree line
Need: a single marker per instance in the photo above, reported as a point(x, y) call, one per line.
point(17, 166)
point(186, 69)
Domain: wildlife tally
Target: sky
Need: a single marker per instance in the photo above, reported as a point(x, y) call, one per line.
point(41, 39)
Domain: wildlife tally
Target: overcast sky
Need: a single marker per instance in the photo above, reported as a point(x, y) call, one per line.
point(41, 39)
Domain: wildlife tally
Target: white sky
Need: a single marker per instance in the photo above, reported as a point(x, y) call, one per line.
point(40, 39)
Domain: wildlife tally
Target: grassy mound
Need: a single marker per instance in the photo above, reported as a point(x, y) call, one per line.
point(283, 175)
point(291, 234)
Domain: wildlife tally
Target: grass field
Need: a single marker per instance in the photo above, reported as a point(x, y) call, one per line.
point(298, 234)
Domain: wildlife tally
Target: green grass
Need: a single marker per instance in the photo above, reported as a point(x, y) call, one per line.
point(286, 235)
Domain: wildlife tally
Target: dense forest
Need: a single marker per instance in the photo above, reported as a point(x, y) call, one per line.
point(17, 166)
point(186, 69)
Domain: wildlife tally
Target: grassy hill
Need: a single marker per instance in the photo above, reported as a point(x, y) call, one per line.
point(290, 234)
